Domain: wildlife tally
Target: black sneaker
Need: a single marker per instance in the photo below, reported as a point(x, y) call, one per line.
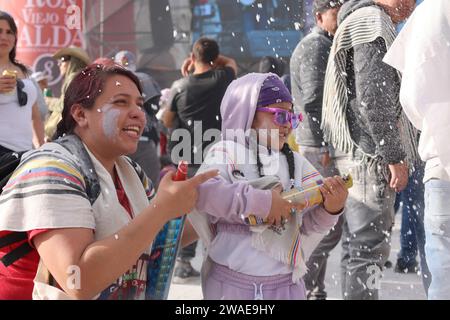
point(402, 267)
point(184, 272)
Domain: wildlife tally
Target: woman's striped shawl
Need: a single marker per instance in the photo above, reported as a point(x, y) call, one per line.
point(362, 26)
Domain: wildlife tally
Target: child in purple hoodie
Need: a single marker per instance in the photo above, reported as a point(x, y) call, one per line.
point(266, 260)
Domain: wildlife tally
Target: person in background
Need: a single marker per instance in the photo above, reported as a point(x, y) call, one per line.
point(147, 153)
point(165, 132)
point(71, 60)
point(21, 125)
point(308, 66)
point(412, 231)
point(275, 65)
point(41, 79)
point(420, 53)
point(41, 82)
point(195, 106)
point(373, 139)
point(105, 61)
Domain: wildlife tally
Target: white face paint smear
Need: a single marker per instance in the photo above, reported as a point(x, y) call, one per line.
point(110, 121)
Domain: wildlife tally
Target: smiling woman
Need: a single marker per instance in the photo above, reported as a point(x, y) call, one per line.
point(82, 197)
point(105, 112)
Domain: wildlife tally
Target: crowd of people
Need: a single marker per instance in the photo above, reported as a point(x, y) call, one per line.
point(94, 168)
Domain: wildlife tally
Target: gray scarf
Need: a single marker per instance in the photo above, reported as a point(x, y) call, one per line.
point(362, 26)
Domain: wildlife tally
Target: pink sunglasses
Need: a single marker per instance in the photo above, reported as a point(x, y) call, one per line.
point(282, 117)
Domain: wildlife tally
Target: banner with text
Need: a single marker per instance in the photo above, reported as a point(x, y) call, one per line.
point(44, 26)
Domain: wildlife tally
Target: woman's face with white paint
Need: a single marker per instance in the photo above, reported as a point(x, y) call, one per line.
point(117, 120)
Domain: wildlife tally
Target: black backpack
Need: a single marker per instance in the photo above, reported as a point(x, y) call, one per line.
point(10, 161)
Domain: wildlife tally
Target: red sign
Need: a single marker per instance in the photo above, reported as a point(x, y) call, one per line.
point(44, 26)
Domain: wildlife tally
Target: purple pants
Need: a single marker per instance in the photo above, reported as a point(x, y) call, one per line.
point(223, 283)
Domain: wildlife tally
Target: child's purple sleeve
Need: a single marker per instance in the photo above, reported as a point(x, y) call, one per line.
point(222, 199)
point(318, 220)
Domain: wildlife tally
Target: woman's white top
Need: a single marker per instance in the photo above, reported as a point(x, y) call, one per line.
point(16, 129)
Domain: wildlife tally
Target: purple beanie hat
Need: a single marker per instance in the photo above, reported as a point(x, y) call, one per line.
point(273, 91)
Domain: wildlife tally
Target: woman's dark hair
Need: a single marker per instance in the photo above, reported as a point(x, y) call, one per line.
point(85, 88)
point(286, 150)
point(12, 54)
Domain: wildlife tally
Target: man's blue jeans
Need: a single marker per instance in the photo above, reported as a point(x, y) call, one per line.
point(437, 230)
point(412, 232)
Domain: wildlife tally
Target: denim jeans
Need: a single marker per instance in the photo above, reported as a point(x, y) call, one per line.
point(412, 232)
point(317, 263)
point(437, 231)
point(369, 217)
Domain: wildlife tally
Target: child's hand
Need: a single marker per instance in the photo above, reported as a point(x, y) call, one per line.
point(334, 193)
point(280, 211)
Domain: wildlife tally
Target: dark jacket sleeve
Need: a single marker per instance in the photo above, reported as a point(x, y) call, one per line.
point(312, 65)
point(377, 93)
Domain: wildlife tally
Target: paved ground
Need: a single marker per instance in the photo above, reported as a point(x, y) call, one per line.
point(394, 286)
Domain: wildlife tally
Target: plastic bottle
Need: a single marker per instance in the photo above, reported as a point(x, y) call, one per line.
point(181, 173)
point(310, 195)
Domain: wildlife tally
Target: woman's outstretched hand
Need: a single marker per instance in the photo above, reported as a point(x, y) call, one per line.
point(176, 198)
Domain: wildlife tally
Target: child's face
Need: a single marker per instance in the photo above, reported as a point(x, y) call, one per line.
point(271, 134)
